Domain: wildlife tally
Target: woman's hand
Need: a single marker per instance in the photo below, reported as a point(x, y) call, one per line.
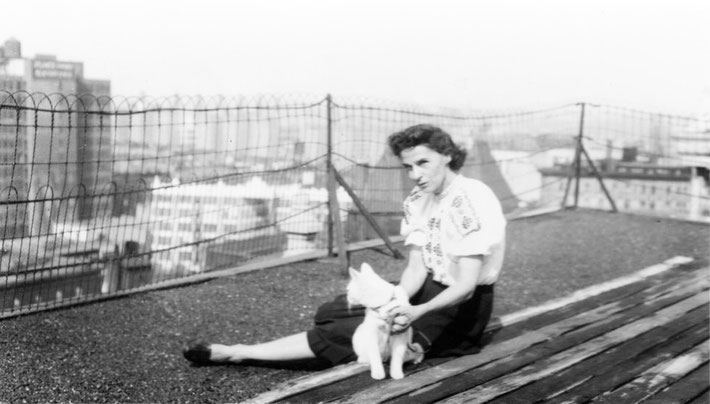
point(403, 314)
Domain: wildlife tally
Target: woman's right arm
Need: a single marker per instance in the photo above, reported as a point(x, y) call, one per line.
point(415, 273)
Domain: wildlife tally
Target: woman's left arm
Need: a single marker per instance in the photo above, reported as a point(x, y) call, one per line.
point(470, 268)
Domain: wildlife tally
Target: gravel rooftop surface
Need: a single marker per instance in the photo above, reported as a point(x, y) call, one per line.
point(128, 349)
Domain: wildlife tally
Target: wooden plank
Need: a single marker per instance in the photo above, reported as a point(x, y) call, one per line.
point(309, 382)
point(658, 377)
point(375, 242)
point(701, 399)
point(603, 382)
point(643, 287)
point(602, 372)
point(350, 386)
point(395, 388)
point(597, 174)
point(543, 388)
point(517, 360)
point(686, 389)
point(333, 391)
point(598, 289)
point(563, 360)
point(515, 215)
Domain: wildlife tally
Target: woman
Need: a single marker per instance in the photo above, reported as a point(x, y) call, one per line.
point(455, 230)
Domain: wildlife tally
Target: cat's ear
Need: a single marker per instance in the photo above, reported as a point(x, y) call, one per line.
point(366, 268)
point(353, 273)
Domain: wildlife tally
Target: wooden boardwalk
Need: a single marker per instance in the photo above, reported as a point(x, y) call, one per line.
point(641, 338)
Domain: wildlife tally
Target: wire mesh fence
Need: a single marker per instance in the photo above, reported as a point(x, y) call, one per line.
point(100, 196)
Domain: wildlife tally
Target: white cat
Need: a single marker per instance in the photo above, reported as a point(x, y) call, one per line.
point(372, 340)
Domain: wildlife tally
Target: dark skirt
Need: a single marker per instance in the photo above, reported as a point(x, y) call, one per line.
point(453, 331)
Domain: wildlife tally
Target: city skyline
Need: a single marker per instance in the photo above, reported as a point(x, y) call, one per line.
point(483, 55)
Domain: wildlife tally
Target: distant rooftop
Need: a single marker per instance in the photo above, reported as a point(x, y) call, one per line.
point(635, 170)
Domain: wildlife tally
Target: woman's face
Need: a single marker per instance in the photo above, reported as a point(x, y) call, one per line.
point(427, 168)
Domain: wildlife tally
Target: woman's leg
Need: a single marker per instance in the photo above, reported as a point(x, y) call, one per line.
point(292, 347)
point(330, 338)
point(456, 330)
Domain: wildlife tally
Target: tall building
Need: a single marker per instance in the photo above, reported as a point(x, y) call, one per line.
point(55, 148)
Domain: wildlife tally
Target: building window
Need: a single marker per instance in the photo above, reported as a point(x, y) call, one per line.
point(230, 228)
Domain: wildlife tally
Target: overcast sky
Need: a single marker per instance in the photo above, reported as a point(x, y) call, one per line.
point(493, 54)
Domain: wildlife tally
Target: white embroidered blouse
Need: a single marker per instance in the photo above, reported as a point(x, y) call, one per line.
point(465, 219)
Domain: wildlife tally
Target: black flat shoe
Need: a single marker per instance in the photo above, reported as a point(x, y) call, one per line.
point(198, 352)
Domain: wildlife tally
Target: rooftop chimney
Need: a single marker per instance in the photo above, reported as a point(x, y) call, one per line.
point(628, 154)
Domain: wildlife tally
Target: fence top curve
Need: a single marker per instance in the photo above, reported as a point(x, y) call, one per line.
point(117, 104)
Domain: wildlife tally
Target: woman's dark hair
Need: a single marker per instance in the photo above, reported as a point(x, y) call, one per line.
point(432, 137)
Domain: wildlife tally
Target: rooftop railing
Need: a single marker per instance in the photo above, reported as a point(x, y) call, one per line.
point(102, 196)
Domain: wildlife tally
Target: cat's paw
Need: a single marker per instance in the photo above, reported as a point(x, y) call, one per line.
point(396, 374)
point(377, 374)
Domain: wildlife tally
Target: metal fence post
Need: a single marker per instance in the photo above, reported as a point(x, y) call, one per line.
point(600, 179)
point(329, 164)
point(578, 158)
point(335, 227)
point(575, 166)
